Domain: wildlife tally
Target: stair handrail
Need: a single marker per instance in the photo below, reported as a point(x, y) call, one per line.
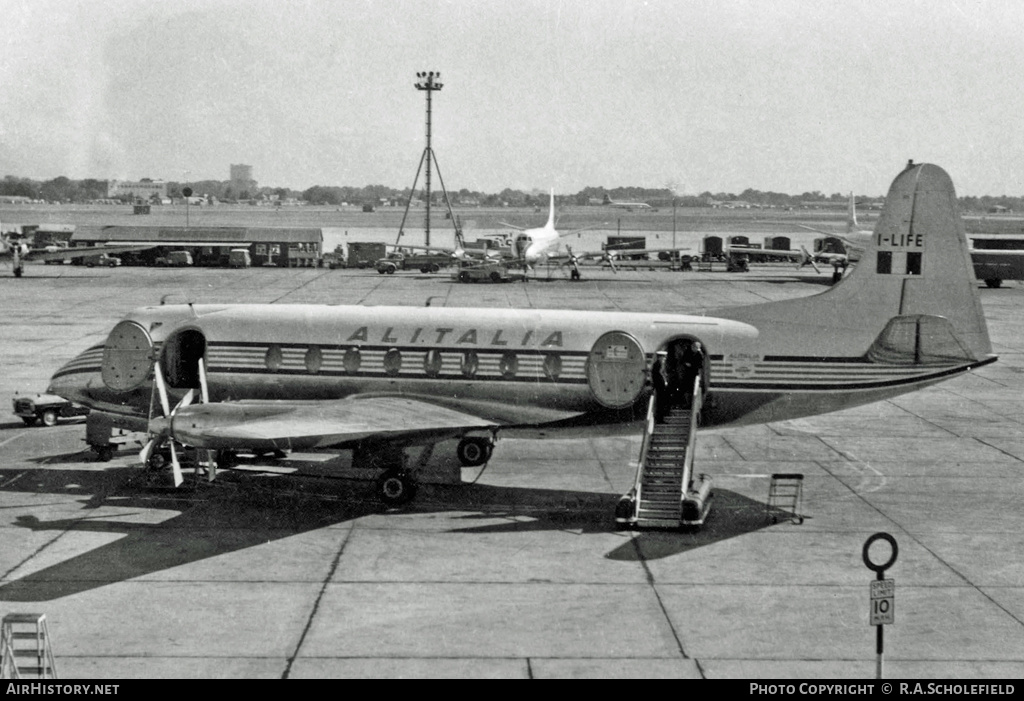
point(49, 650)
point(7, 659)
point(645, 443)
point(696, 405)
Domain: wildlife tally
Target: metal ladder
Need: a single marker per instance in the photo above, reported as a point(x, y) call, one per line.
point(38, 655)
point(664, 493)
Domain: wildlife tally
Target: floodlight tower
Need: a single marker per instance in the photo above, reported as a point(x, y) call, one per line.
point(428, 82)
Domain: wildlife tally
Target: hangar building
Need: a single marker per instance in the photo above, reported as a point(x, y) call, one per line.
point(210, 246)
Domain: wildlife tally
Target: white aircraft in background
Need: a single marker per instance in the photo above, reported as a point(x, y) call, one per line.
point(609, 202)
point(14, 249)
point(378, 380)
point(542, 245)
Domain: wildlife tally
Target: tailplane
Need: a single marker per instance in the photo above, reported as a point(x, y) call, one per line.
point(917, 265)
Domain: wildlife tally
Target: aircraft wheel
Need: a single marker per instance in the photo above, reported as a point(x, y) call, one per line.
point(474, 452)
point(994, 283)
point(395, 488)
point(18, 272)
point(434, 268)
point(495, 276)
point(226, 459)
point(104, 453)
point(157, 460)
point(29, 420)
point(49, 417)
point(463, 276)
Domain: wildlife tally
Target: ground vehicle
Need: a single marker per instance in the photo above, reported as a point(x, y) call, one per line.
point(46, 408)
point(424, 262)
point(365, 254)
point(179, 258)
point(102, 259)
point(485, 271)
point(174, 258)
point(239, 258)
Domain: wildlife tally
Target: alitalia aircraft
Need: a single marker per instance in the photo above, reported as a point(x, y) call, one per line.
point(254, 377)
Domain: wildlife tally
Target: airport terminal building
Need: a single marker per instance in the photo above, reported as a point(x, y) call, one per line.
point(210, 246)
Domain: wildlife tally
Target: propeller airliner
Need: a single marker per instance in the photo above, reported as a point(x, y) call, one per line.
point(17, 252)
point(378, 380)
point(609, 202)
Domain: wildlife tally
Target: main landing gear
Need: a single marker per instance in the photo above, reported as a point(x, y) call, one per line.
point(397, 485)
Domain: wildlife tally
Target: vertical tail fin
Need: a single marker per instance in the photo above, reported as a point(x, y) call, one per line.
point(917, 263)
point(851, 217)
point(551, 212)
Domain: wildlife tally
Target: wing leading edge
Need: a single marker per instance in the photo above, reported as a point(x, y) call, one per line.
point(322, 424)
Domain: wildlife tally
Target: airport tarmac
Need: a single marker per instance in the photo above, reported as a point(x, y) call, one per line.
point(519, 572)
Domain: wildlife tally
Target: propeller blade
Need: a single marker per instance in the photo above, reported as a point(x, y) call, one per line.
point(185, 401)
point(161, 388)
point(808, 258)
point(176, 466)
point(203, 386)
point(146, 451)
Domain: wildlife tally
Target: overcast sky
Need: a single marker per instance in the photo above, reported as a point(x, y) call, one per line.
point(719, 95)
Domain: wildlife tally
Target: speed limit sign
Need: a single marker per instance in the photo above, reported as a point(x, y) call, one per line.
point(883, 602)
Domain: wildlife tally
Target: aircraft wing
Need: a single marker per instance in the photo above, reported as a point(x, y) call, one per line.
point(319, 424)
point(796, 255)
point(70, 253)
point(644, 251)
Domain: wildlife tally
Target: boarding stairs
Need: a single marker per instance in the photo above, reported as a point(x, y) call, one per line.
point(25, 647)
point(664, 493)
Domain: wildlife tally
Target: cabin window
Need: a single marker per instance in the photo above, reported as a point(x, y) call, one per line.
point(274, 358)
point(470, 363)
point(314, 359)
point(432, 363)
point(509, 365)
point(353, 359)
point(552, 366)
point(884, 262)
point(914, 263)
point(393, 361)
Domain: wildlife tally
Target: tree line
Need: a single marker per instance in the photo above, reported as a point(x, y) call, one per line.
point(63, 189)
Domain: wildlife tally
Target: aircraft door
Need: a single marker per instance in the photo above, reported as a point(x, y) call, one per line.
point(616, 370)
point(676, 368)
point(126, 357)
point(180, 358)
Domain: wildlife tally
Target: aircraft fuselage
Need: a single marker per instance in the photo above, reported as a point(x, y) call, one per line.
point(537, 371)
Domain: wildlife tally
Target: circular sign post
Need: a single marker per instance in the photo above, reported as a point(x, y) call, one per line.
point(883, 593)
point(187, 192)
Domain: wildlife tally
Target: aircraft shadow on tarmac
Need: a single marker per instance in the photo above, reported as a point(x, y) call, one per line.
point(254, 510)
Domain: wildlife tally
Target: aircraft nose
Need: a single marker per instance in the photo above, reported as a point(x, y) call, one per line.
point(72, 380)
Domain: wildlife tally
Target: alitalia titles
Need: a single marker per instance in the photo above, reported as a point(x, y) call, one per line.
point(457, 337)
